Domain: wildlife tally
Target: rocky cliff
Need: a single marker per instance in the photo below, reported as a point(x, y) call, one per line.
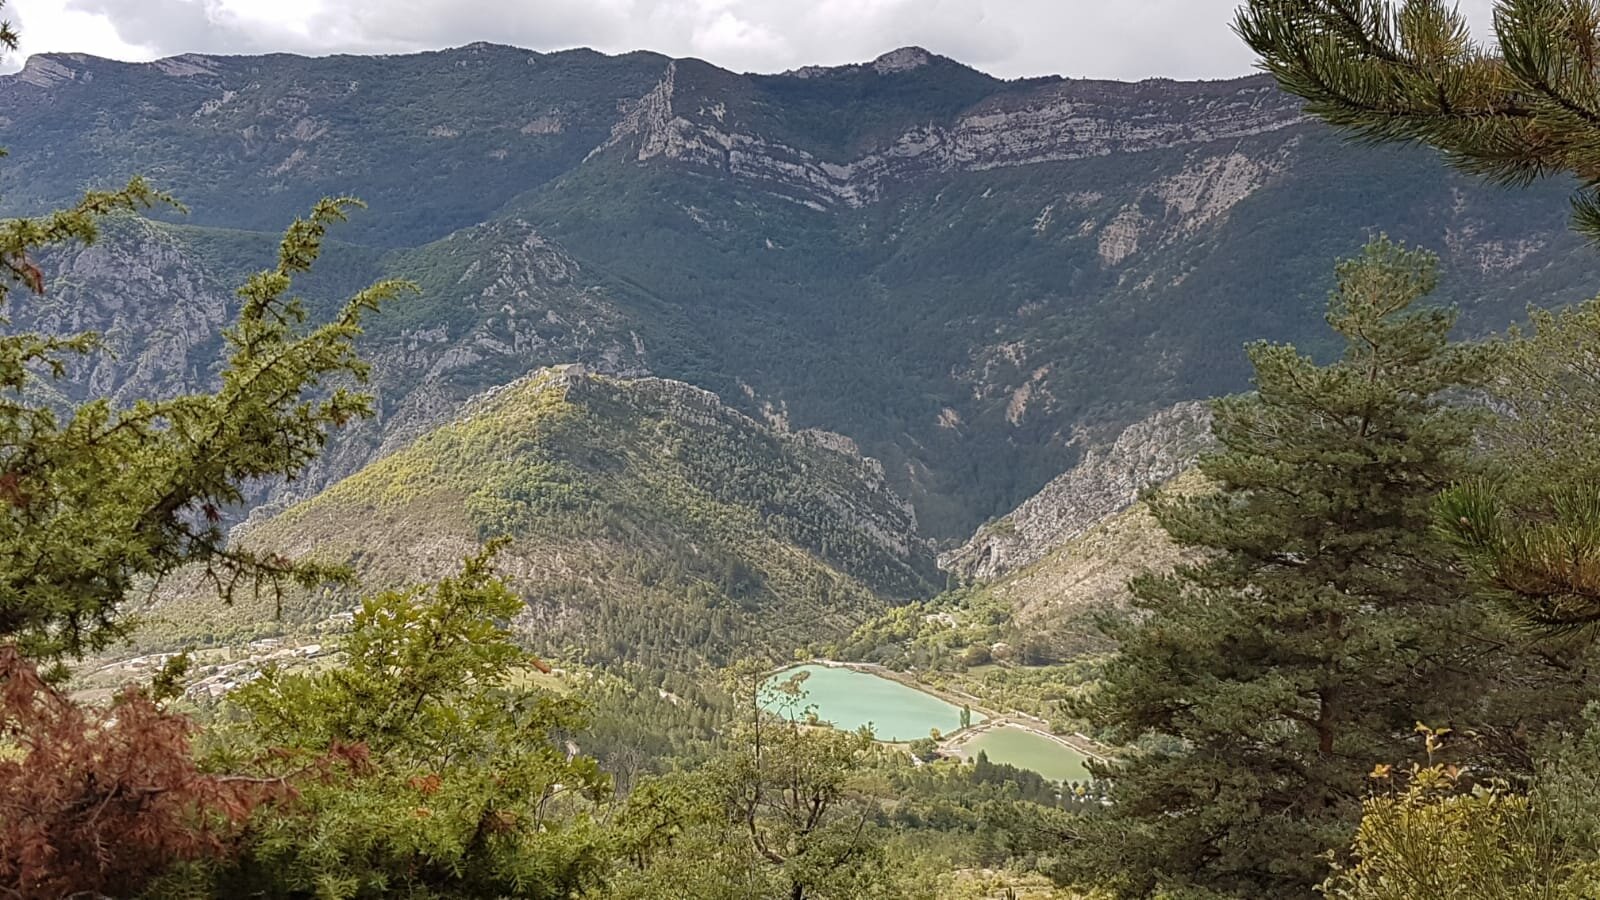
point(975, 281)
point(1106, 482)
point(1062, 120)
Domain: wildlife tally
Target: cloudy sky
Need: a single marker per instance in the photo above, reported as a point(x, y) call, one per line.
point(1097, 38)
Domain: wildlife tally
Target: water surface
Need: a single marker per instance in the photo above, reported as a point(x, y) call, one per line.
point(1027, 750)
point(848, 699)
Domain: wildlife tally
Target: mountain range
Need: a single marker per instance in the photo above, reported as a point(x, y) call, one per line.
point(976, 284)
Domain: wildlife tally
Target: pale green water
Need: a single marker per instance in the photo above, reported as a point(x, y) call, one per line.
point(1026, 750)
point(848, 699)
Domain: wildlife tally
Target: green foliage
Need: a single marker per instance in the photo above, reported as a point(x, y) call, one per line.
point(1514, 112)
point(1545, 567)
point(1325, 618)
point(789, 806)
point(1533, 532)
point(422, 770)
point(1411, 72)
point(649, 722)
point(103, 498)
point(1427, 840)
point(1436, 832)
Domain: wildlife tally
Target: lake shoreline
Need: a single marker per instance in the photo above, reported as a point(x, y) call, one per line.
point(953, 743)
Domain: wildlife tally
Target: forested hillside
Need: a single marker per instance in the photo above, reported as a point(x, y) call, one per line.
point(874, 481)
point(649, 525)
point(974, 279)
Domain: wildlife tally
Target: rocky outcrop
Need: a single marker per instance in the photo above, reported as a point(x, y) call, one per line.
point(532, 307)
point(1107, 481)
point(157, 310)
point(1061, 121)
point(49, 71)
point(160, 311)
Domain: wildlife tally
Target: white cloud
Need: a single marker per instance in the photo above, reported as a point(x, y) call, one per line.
point(48, 24)
point(1095, 38)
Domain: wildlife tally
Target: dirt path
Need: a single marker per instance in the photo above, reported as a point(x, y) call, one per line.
point(1077, 743)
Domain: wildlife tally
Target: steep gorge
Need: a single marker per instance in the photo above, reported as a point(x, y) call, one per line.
point(976, 281)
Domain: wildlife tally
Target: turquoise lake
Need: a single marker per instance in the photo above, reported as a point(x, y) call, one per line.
point(848, 699)
point(1026, 750)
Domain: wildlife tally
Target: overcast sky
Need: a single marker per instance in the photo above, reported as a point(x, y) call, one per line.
point(1098, 38)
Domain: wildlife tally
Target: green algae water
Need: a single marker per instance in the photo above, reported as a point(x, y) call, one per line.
point(848, 699)
point(1026, 750)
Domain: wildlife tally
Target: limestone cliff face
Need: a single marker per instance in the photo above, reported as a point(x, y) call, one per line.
point(158, 312)
point(1066, 120)
point(1105, 483)
point(969, 278)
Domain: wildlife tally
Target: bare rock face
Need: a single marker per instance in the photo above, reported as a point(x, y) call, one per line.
point(157, 311)
point(903, 60)
point(534, 307)
point(1063, 121)
point(1107, 481)
point(48, 71)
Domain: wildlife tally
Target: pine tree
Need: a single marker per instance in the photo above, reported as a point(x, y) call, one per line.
point(1325, 620)
point(1411, 71)
point(97, 500)
point(1532, 533)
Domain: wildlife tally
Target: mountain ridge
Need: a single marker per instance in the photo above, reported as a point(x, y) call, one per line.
point(976, 281)
point(899, 59)
point(646, 521)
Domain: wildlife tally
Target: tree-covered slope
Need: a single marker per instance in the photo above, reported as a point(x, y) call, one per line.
point(977, 330)
point(434, 139)
point(649, 523)
point(976, 280)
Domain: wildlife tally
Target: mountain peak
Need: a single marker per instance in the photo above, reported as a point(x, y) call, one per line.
point(902, 60)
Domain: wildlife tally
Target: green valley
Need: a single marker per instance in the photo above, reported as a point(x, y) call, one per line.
point(929, 260)
point(483, 473)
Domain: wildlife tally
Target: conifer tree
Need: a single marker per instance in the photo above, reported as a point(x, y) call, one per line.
point(96, 500)
point(1532, 532)
point(424, 766)
point(1325, 620)
point(1412, 72)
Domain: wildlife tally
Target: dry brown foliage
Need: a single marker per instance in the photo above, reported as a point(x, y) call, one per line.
point(99, 800)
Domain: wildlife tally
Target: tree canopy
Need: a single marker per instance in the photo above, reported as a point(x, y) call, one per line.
point(1412, 71)
point(1325, 618)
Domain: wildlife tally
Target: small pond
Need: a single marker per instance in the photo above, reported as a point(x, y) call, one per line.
point(1027, 750)
point(848, 699)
